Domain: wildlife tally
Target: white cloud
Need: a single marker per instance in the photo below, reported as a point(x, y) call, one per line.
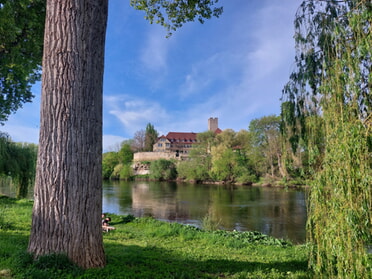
point(154, 52)
point(134, 113)
point(217, 68)
point(273, 41)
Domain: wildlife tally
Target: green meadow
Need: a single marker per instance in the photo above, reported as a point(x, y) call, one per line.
point(147, 248)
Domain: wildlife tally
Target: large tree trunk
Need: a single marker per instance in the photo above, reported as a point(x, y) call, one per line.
point(68, 189)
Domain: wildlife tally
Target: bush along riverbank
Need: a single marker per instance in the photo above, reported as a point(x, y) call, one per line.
point(147, 248)
point(186, 171)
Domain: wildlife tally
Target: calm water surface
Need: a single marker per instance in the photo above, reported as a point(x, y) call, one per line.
point(277, 212)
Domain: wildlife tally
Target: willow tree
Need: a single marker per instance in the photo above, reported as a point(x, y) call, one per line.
point(17, 163)
point(68, 194)
point(333, 83)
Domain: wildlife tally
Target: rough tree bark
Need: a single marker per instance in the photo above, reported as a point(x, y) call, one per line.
point(68, 189)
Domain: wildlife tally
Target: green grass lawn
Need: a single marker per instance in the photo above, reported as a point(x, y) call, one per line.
point(146, 248)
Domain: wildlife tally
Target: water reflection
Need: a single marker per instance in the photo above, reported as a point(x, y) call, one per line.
point(275, 212)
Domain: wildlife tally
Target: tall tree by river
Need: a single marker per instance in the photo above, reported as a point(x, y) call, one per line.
point(68, 194)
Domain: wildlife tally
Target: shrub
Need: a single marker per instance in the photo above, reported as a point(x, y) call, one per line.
point(163, 170)
point(192, 170)
point(126, 172)
point(116, 172)
point(109, 161)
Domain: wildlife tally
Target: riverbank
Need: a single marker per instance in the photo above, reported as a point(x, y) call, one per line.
point(146, 248)
point(263, 182)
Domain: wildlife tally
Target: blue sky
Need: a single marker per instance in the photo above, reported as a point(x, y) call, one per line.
point(233, 68)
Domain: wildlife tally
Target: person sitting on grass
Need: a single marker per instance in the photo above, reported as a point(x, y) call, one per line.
point(106, 224)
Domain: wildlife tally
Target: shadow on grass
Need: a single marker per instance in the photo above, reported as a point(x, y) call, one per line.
point(6, 201)
point(9, 201)
point(153, 262)
point(11, 246)
point(147, 261)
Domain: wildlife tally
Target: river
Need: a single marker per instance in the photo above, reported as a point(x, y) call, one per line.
point(277, 212)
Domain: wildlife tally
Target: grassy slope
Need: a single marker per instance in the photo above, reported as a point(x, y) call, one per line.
point(146, 248)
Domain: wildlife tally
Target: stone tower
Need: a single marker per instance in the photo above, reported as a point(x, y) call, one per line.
point(212, 124)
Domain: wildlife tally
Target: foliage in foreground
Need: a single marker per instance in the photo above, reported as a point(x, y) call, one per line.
point(147, 248)
point(334, 59)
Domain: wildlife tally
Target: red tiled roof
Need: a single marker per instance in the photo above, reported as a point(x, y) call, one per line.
point(181, 136)
point(218, 131)
point(184, 137)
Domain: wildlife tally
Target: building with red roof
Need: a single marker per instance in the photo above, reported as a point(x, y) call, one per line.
point(180, 143)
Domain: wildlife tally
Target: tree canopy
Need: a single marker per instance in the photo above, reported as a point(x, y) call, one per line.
point(21, 48)
point(173, 14)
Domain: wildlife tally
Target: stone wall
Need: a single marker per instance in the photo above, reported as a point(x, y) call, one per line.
point(152, 156)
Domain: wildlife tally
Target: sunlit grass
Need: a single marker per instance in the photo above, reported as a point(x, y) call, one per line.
point(147, 248)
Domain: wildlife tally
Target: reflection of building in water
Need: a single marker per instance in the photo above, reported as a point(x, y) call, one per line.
point(146, 202)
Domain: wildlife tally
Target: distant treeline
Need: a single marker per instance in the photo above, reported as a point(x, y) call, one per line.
point(261, 153)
